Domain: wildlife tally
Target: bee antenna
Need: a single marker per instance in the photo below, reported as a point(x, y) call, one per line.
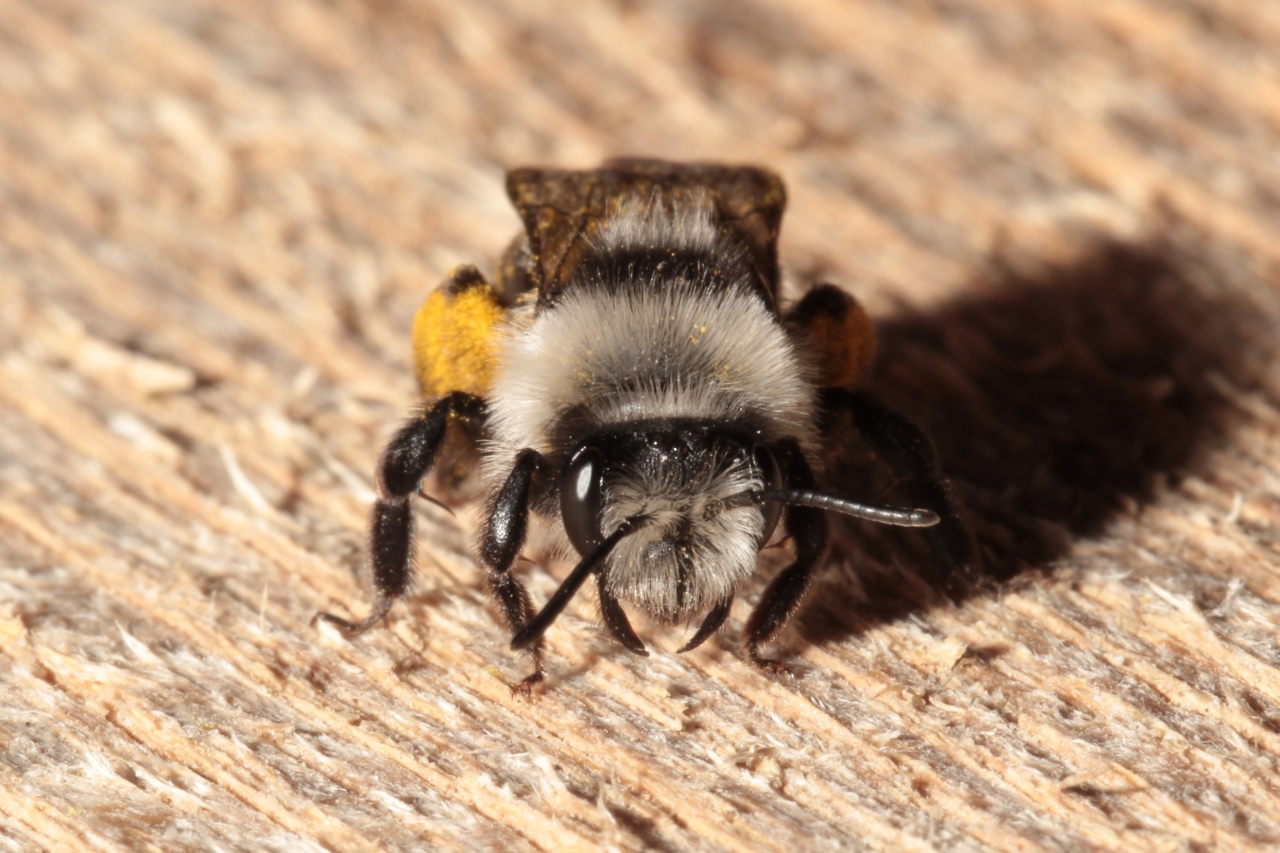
point(539, 624)
point(870, 512)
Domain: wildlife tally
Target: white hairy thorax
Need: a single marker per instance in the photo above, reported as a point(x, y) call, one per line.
point(621, 351)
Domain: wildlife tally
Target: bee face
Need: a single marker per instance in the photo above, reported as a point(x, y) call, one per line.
point(634, 380)
point(681, 478)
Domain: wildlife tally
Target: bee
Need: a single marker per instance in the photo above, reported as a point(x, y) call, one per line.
point(632, 378)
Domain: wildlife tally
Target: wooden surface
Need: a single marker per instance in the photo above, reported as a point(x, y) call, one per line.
point(217, 218)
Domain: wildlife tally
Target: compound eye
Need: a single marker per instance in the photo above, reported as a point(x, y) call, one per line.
point(581, 503)
point(771, 474)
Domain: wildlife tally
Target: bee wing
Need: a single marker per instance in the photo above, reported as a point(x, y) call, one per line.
point(561, 209)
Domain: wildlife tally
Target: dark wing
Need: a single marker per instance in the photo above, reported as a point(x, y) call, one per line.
point(562, 208)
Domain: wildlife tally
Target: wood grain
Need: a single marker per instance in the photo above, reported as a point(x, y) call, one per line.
point(217, 219)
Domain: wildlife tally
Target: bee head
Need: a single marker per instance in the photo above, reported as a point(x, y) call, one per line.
point(687, 505)
point(695, 546)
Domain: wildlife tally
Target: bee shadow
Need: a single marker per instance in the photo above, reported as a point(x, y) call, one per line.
point(1057, 402)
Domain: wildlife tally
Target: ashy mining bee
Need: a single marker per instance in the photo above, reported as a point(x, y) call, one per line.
point(632, 376)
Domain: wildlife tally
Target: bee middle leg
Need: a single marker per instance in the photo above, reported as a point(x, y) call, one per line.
point(909, 453)
point(407, 459)
point(504, 536)
point(783, 596)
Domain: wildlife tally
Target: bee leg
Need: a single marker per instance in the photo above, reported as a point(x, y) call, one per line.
point(504, 535)
point(838, 332)
point(405, 461)
point(781, 599)
point(910, 454)
point(615, 620)
point(515, 272)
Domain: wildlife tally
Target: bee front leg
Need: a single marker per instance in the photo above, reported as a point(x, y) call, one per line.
point(783, 596)
point(910, 454)
point(504, 536)
point(405, 462)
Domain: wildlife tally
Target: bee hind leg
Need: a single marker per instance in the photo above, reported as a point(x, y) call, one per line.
point(407, 459)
